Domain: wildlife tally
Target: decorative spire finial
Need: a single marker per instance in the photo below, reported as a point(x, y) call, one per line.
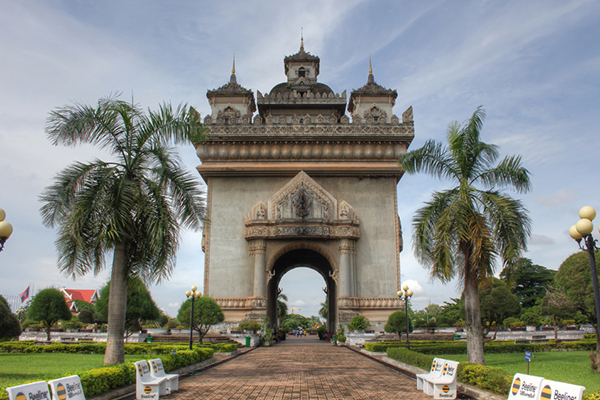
point(301, 38)
point(371, 78)
point(370, 67)
point(233, 79)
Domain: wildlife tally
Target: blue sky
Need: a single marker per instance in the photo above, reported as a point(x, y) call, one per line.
point(534, 66)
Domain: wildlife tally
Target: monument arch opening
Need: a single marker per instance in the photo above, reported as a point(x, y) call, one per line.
point(302, 255)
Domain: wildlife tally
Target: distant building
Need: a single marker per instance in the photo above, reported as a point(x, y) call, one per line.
point(87, 295)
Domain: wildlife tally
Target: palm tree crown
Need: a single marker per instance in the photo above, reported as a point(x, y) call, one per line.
point(132, 205)
point(462, 231)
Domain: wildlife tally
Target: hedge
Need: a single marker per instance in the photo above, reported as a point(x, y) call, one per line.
point(101, 380)
point(493, 379)
point(99, 348)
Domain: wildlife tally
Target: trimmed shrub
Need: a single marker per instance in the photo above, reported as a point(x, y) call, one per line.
point(493, 379)
point(380, 346)
point(489, 378)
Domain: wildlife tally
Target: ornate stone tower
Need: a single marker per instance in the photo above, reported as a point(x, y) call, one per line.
point(302, 184)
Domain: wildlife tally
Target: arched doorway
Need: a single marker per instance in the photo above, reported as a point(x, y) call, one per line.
point(303, 257)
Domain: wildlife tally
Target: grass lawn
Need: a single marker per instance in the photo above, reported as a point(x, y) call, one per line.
point(570, 367)
point(15, 368)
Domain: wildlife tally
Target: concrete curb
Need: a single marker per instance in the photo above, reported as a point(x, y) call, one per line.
point(469, 390)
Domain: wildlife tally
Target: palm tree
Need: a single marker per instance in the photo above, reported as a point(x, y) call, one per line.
point(461, 231)
point(282, 307)
point(132, 206)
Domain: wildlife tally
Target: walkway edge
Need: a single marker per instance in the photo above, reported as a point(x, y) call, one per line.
point(469, 390)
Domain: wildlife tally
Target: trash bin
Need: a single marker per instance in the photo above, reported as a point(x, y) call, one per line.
point(149, 339)
point(248, 341)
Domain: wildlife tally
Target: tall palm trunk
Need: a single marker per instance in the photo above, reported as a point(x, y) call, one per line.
point(117, 303)
point(473, 314)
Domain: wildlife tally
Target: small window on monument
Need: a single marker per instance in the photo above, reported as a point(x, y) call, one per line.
point(301, 120)
point(226, 121)
point(301, 73)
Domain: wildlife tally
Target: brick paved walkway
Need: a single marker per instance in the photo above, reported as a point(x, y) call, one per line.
point(299, 370)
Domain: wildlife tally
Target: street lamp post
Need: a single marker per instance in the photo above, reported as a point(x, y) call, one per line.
point(583, 230)
point(405, 294)
point(5, 229)
point(193, 294)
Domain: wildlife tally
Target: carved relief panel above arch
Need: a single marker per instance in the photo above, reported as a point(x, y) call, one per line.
point(302, 208)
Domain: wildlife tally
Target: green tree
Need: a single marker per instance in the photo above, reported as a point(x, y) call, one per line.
point(531, 316)
point(86, 316)
point(132, 206)
point(451, 311)
point(140, 306)
point(557, 306)
point(3, 301)
point(48, 307)
point(9, 324)
point(528, 281)
point(206, 314)
point(462, 231)
point(574, 278)
point(83, 305)
point(497, 304)
point(294, 321)
point(396, 323)
point(359, 323)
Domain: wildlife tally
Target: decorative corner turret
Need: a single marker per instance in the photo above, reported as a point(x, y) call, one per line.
point(231, 103)
point(372, 103)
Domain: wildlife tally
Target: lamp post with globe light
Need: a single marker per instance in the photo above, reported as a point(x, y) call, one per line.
point(5, 229)
point(193, 294)
point(405, 294)
point(582, 231)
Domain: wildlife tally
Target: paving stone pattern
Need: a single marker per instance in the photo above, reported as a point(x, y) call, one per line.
point(299, 370)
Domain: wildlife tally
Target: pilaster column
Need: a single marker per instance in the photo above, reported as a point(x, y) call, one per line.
point(347, 275)
point(257, 250)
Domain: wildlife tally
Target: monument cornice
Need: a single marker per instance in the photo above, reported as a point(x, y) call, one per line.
point(404, 131)
point(390, 169)
point(310, 230)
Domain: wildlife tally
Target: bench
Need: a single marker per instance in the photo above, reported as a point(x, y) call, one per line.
point(147, 387)
point(29, 391)
point(434, 371)
point(443, 386)
point(67, 388)
point(157, 371)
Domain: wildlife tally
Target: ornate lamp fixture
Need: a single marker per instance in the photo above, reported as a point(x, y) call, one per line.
point(582, 232)
point(193, 294)
point(5, 229)
point(405, 294)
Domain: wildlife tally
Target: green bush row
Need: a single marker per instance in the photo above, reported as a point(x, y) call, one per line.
point(489, 378)
point(99, 348)
point(101, 380)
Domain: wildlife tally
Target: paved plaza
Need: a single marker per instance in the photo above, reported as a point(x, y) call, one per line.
point(299, 369)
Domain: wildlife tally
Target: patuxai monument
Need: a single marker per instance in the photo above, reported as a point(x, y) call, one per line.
point(303, 177)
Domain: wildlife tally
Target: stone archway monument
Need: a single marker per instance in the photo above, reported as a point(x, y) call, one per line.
point(300, 183)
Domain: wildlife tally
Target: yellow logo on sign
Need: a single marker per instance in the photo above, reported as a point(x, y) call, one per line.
point(61, 392)
point(20, 396)
point(445, 389)
point(147, 389)
point(516, 386)
point(546, 392)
